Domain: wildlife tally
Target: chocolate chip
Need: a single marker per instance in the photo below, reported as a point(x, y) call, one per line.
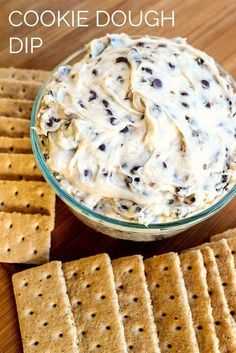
point(138, 209)
point(86, 172)
point(208, 105)
point(102, 147)
point(224, 178)
point(137, 179)
point(187, 117)
point(122, 59)
point(105, 103)
point(128, 180)
point(67, 124)
point(140, 44)
point(93, 95)
point(205, 84)
point(50, 122)
point(164, 164)
point(120, 79)
point(109, 112)
point(113, 121)
point(199, 60)
point(172, 66)
point(94, 72)
point(184, 93)
point(147, 69)
point(162, 45)
point(125, 130)
point(124, 207)
point(81, 104)
point(185, 105)
point(135, 168)
point(171, 201)
point(157, 83)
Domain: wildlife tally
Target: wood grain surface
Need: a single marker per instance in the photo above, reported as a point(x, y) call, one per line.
point(209, 25)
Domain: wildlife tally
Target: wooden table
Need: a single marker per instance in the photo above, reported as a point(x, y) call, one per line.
point(209, 25)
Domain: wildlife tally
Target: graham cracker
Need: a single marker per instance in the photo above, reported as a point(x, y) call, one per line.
point(14, 127)
point(229, 233)
point(232, 245)
point(18, 108)
point(19, 166)
point(224, 324)
point(170, 304)
point(15, 145)
point(44, 311)
point(27, 197)
point(24, 238)
point(92, 293)
point(23, 74)
point(135, 305)
point(225, 263)
point(194, 274)
point(18, 89)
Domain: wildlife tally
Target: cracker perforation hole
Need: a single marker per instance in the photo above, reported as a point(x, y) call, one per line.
point(130, 347)
point(20, 109)
point(108, 327)
point(135, 299)
point(35, 343)
point(224, 284)
point(97, 268)
point(8, 250)
point(233, 252)
point(171, 297)
point(103, 297)
point(163, 314)
point(23, 238)
point(217, 256)
point(45, 324)
point(40, 295)
point(194, 296)
point(83, 333)
point(169, 345)
point(88, 285)
point(232, 312)
point(199, 327)
point(98, 345)
point(79, 303)
point(16, 192)
point(54, 305)
point(166, 268)
point(130, 270)
point(217, 323)
point(178, 328)
point(121, 286)
point(93, 315)
point(48, 276)
point(31, 313)
point(125, 316)
point(189, 268)
point(35, 252)
point(60, 335)
point(140, 329)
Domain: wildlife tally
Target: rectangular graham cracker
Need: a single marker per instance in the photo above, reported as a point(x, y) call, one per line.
point(27, 197)
point(194, 274)
point(24, 238)
point(229, 233)
point(23, 74)
point(225, 263)
point(91, 289)
point(18, 89)
point(170, 304)
point(19, 166)
point(14, 127)
point(15, 145)
point(135, 305)
point(18, 108)
point(44, 311)
point(224, 324)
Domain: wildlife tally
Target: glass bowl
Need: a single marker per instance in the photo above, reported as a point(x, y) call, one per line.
point(111, 226)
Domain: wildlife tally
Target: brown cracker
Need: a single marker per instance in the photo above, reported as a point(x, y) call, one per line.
point(24, 238)
point(27, 197)
point(224, 324)
point(18, 89)
point(14, 127)
point(170, 304)
point(19, 166)
point(91, 289)
point(229, 233)
point(194, 274)
point(23, 74)
point(15, 145)
point(135, 305)
point(225, 263)
point(18, 108)
point(44, 310)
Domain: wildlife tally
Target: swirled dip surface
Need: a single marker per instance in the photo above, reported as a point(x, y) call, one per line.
point(141, 130)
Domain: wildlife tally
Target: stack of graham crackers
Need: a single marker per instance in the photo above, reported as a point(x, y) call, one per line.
point(27, 203)
point(169, 303)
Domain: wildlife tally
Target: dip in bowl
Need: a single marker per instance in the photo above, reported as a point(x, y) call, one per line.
point(137, 135)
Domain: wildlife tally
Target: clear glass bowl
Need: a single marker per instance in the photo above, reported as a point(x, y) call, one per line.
point(110, 226)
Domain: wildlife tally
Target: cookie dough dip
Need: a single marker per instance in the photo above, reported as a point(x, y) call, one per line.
point(141, 130)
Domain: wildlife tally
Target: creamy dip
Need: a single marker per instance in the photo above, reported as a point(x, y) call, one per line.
point(141, 130)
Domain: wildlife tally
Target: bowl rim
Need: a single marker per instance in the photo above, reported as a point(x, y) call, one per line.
point(72, 202)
